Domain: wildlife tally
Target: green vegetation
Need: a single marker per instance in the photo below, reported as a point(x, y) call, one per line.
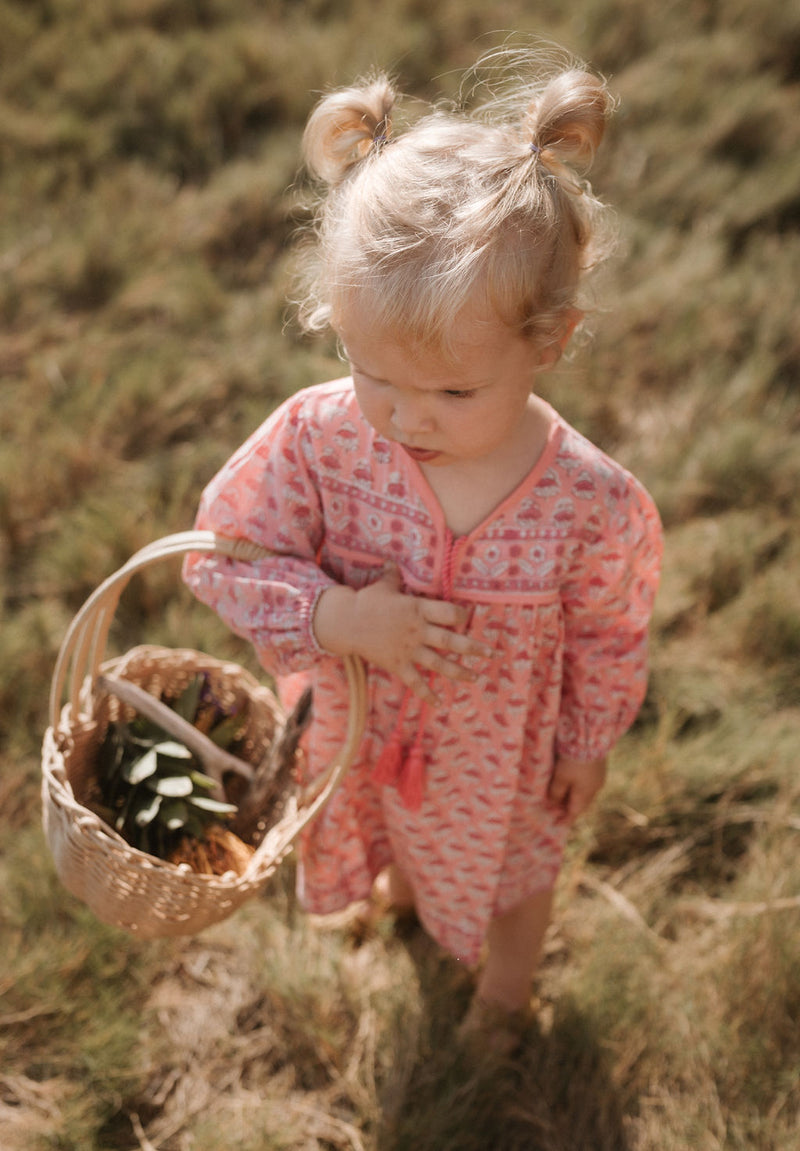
point(149, 188)
point(151, 788)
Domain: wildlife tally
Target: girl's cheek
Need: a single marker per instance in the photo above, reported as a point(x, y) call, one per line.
point(367, 404)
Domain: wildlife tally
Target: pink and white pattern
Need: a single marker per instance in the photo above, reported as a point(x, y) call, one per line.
point(560, 578)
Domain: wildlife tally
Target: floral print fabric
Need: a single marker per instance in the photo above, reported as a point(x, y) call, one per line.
point(560, 579)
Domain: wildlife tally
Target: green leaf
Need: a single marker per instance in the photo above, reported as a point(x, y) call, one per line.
point(127, 806)
point(203, 781)
point(174, 786)
point(142, 731)
point(142, 768)
point(215, 805)
point(174, 814)
point(224, 733)
point(111, 754)
point(173, 749)
point(145, 815)
point(187, 702)
point(196, 824)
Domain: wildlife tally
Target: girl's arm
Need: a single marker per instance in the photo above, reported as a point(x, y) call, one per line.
point(608, 600)
point(266, 493)
point(292, 612)
point(574, 784)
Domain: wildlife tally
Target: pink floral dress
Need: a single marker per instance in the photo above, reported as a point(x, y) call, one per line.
point(560, 578)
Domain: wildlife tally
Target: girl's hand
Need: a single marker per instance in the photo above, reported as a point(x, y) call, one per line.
point(404, 634)
point(574, 784)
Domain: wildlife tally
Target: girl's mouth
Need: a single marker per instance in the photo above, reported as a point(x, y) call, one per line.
point(421, 455)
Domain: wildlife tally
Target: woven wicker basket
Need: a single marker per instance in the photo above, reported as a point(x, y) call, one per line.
point(122, 885)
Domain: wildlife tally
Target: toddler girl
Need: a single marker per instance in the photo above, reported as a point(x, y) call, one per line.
point(494, 569)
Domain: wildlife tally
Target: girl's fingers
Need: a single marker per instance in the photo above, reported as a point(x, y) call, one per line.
point(417, 683)
point(446, 640)
point(431, 660)
point(448, 615)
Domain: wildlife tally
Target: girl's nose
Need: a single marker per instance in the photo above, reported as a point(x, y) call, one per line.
point(409, 416)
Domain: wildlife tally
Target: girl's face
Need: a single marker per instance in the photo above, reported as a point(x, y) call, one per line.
point(471, 406)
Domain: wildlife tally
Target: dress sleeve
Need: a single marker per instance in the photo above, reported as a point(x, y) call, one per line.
point(608, 599)
point(266, 493)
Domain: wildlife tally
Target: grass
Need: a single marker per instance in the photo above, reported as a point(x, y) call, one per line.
point(148, 173)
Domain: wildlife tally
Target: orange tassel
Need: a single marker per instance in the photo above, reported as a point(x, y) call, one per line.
point(390, 761)
point(412, 781)
point(407, 773)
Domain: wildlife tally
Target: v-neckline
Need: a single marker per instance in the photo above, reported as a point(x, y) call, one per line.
point(530, 479)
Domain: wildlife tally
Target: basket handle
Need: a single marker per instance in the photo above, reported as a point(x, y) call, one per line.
point(83, 648)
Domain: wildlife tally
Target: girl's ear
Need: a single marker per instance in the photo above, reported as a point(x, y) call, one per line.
point(568, 322)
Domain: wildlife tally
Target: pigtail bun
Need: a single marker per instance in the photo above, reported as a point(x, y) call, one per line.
point(568, 118)
point(484, 199)
point(345, 126)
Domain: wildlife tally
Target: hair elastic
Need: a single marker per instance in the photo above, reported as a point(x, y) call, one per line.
point(535, 148)
point(381, 133)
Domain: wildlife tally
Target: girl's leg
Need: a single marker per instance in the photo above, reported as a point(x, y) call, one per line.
point(391, 893)
point(391, 889)
point(515, 942)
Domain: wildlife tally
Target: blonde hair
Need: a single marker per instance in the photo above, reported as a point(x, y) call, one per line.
point(488, 202)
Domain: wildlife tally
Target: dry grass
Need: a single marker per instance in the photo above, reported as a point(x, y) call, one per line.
point(146, 148)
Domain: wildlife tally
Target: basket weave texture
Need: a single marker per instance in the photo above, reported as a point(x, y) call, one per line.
point(123, 886)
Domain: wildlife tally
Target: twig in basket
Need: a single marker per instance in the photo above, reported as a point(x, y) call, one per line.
point(262, 804)
point(215, 760)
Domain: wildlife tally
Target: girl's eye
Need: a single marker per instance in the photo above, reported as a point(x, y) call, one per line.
point(455, 394)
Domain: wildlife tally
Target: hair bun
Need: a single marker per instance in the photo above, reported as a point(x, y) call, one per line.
point(569, 116)
point(343, 127)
